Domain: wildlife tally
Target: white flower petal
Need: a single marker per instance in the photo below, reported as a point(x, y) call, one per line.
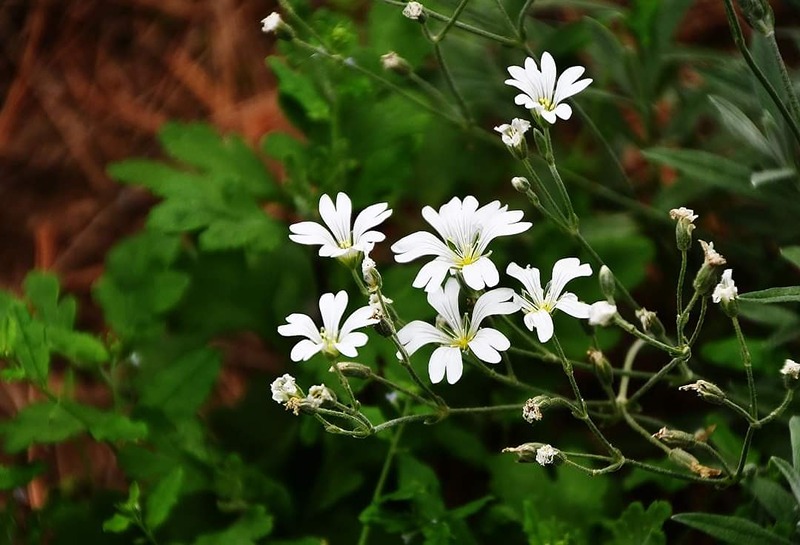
point(530, 279)
point(565, 270)
point(417, 334)
point(304, 350)
point(370, 217)
point(487, 342)
point(300, 325)
point(542, 322)
point(569, 303)
point(431, 275)
point(438, 363)
point(480, 274)
point(332, 307)
point(361, 317)
point(418, 244)
point(492, 303)
point(311, 233)
point(348, 343)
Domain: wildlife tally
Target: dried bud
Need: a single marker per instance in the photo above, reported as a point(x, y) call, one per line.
point(532, 410)
point(414, 11)
point(707, 275)
point(393, 62)
point(353, 369)
point(650, 322)
point(602, 367)
point(684, 226)
point(607, 283)
point(791, 374)
point(676, 438)
point(540, 453)
point(318, 396)
point(708, 391)
point(521, 184)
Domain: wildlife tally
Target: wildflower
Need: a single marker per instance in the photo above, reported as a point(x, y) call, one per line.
point(521, 184)
point(545, 455)
point(710, 256)
point(791, 369)
point(456, 333)
point(708, 391)
point(465, 232)
point(330, 339)
point(284, 388)
point(271, 22)
point(414, 11)
point(337, 238)
point(541, 92)
point(602, 313)
point(513, 136)
point(318, 396)
point(532, 410)
point(707, 275)
point(726, 291)
point(539, 304)
point(683, 215)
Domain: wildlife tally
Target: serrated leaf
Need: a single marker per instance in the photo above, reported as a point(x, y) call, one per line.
point(117, 524)
point(301, 89)
point(42, 291)
point(163, 498)
point(734, 530)
point(253, 525)
point(256, 232)
point(639, 527)
point(13, 476)
point(791, 475)
point(787, 294)
point(705, 168)
point(183, 385)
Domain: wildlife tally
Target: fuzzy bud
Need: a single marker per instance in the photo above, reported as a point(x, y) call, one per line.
point(392, 62)
point(607, 283)
point(273, 23)
point(601, 365)
point(650, 322)
point(414, 11)
point(317, 397)
point(706, 277)
point(708, 391)
point(791, 374)
point(370, 274)
point(521, 184)
point(676, 438)
point(353, 369)
point(684, 218)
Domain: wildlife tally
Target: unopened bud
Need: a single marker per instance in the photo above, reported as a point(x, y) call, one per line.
point(393, 62)
point(273, 23)
point(601, 365)
point(676, 438)
point(650, 322)
point(521, 184)
point(708, 391)
point(414, 11)
point(607, 283)
point(684, 218)
point(541, 143)
point(540, 453)
point(353, 369)
point(708, 274)
point(370, 274)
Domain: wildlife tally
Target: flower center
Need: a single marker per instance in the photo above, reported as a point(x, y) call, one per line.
point(328, 343)
point(466, 252)
point(547, 104)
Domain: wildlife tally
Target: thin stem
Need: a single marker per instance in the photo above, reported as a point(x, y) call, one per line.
point(787, 399)
point(550, 209)
point(450, 22)
point(448, 77)
point(394, 386)
point(627, 365)
point(670, 473)
point(748, 367)
point(654, 379)
point(523, 13)
point(794, 105)
point(507, 17)
point(510, 381)
point(681, 278)
point(738, 38)
point(551, 164)
point(741, 411)
point(643, 432)
point(748, 439)
point(630, 328)
point(700, 319)
point(487, 409)
point(626, 295)
point(354, 404)
point(708, 449)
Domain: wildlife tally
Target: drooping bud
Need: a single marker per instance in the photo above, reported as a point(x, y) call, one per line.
point(708, 391)
point(392, 62)
point(353, 369)
point(707, 275)
point(683, 228)
point(607, 283)
point(601, 365)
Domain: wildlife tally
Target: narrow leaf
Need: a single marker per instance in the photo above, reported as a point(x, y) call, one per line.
point(163, 498)
point(794, 432)
point(787, 294)
point(740, 125)
point(705, 168)
point(734, 530)
point(791, 254)
point(13, 476)
point(763, 177)
point(790, 474)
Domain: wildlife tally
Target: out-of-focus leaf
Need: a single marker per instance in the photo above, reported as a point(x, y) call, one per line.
point(762, 177)
point(727, 352)
point(117, 524)
point(76, 346)
point(787, 294)
point(247, 530)
point(705, 168)
point(44, 422)
point(740, 125)
point(300, 88)
point(734, 530)
point(774, 498)
point(791, 475)
point(42, 290)
point(183, 385)
point(639, 527)
point(791, 254)
point(794, 432)
point(13, 476)
point(163, 498)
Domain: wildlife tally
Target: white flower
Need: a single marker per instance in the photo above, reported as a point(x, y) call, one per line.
point(318, 395)
point(540, 90)
point(791, 369)
point(602, 313)
point(413, 10)
point(283, 388)
point(712, 258)
point(337, 238)
point(466, 231)
point(458, 333)
point(532, 411)
point(538, 304)
point(683, 214)
point(330, 338)
point(545, 455)
point(726, 290)
point(271, 22)
point(513, 135)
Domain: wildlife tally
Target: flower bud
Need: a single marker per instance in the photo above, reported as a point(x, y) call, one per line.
point(676, 438)
point(521, 184)
point(708, 391)
point(683, 228)
point(415, 11)
point(273, 23)
point(607, 283)
point(392, 62)
point(602, 313)
point(370, 274)
point(650, 322)
point(541, 143)
point(318, 396)
point(540, 453)
point(353, 369)
point(601, 365)
point(707, 275)
point(513, 136)
point(791, 374)
point(726, 294)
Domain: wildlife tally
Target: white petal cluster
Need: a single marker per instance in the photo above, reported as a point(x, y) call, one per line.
point(413, 10)
point(602, 313)
point(271, 22)
point(338, 237)
point(513, 135)
point(726, 290)
point(791, 369)
point(683, 214)
point(318, 395)
point(542, 92)
point(457, 333)
point(465, 231)
point(545, 455)
point(284, 388)
point(330, 339)
point(538, 304)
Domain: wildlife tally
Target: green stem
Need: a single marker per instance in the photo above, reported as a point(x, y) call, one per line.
point(787, 399)
point(450, 22)
point(630, 328)
point(700, 319)
point(523, 13)
point(748, 439)
point(509, 381)
point(748, 367)
point(626, 295)
point(679, 291)
point(572, 218)
point(627, 365)
point(794, 105)
point(448, 76)
point(550, 209)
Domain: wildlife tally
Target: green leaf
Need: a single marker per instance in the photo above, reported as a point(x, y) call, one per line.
point(45, 422)
point(301, 89)
point(787, 294)
point(705, 168)
point(794, 433)
point(740, 126)
point(117, 524)
point(734, 530)
point(763, 177)
point(791, 254)
point(182, 386)
point(791, 475)
point(106, 426)
point(252, 526)
point(77, 347)
point(163, 498)
point(256, 232)
point(774, 498)
point(29, 345)
point(13, 476)
point(42, 290)
point(639, 527)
